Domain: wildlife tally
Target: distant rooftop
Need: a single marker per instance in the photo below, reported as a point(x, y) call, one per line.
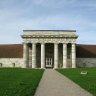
point(16, 51)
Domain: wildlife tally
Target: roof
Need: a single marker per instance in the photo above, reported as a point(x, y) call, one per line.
point(48, 33)
point(52, 30)
point(11, 51)
point(16, 51)
point(85, 51)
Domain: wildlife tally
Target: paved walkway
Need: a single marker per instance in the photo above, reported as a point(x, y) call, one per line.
point(55, 84)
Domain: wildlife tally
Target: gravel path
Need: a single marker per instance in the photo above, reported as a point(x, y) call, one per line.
point(55, 84)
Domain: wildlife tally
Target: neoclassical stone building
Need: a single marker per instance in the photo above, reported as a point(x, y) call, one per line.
point(48, 49)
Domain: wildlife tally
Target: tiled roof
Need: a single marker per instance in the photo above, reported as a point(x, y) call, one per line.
point(11, 51)
point(16, 51)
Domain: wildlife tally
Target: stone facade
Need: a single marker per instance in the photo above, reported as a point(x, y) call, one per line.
point(48, 49)
point(18, 62)
point(11, 62)
point(60, 40)
point(86, 62)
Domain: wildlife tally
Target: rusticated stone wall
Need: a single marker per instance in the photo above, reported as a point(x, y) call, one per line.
point(11, 62)
point(86, 62)
point(18, 62)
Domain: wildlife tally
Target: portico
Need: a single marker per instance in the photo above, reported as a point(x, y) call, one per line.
point(49, 48)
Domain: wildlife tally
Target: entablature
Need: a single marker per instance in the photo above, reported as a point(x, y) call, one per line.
point(48, 36)
point(49, 40)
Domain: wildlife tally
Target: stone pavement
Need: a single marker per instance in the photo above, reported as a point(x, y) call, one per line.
point(55, 84)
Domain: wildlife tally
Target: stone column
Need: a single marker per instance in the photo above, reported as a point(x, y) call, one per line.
point(55, 55)
point(42, 55)
point(30, 57)
point(73, 55)
point(64, 55)
point(33, 55)
point(25, 55)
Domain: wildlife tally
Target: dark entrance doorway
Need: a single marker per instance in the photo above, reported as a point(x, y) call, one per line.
point(49, 55)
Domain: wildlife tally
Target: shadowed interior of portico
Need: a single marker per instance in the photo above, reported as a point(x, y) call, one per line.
point(49, 55)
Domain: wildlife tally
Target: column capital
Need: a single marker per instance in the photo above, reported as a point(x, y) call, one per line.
point(42, 43)
point(56, 43)
point(33, 43)
point(24, 43)
point(65, 43)
point(73, 43)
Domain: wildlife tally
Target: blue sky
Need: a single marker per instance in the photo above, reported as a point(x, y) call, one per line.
point(19, 15)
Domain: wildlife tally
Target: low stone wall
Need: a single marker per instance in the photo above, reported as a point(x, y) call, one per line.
point(18, 62)
point(11, 62)
point(86, 62)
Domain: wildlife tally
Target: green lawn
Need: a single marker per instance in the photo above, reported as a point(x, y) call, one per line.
point(87, 82)
point(19, 82)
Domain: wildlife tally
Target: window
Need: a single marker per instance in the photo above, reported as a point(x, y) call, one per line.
point(1, 64)
point(13, 64)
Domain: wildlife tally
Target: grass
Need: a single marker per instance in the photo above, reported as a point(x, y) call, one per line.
point(19, 82)
point(87, 82)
